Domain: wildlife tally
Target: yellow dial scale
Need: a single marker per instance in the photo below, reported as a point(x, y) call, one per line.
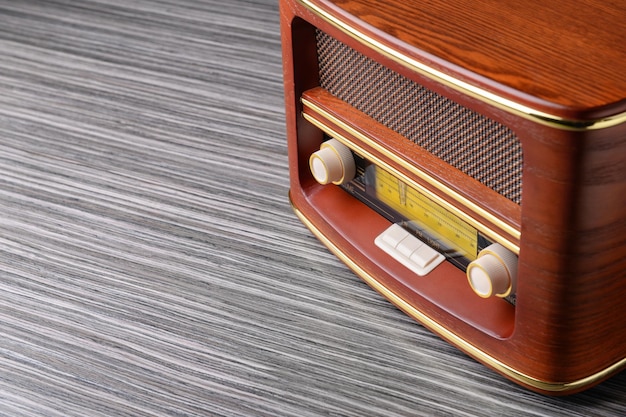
point(436, 220)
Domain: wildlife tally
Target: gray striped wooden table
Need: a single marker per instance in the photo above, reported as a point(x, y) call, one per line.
point(150, 263)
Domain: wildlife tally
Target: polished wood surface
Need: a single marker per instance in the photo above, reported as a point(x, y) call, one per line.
point(572, 220)
point(565, 58)
point(150, 261)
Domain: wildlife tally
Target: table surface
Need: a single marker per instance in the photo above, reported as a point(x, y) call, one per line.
point(151, 264)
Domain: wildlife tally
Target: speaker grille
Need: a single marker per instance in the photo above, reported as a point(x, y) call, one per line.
point(476, 145)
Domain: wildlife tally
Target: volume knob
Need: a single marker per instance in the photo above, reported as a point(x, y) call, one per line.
point(332, 163)
point(493, 272)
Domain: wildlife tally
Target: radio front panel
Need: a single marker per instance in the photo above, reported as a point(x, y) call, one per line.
point(460, 206)
point(467, 140)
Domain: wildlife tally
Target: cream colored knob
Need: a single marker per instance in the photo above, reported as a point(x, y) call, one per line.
point(493, 272)
point(333, 163)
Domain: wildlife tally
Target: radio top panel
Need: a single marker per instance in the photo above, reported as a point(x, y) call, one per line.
point(567, 60)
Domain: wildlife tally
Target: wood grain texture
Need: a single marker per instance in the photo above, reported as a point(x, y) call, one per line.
point(150, 263)
point(529, 51)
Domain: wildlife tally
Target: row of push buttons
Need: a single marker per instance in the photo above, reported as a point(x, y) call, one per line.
point(408, 250)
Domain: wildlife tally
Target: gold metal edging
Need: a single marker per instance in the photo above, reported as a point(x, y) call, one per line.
point(460, 199)
point(495, 100)
point(450, 336)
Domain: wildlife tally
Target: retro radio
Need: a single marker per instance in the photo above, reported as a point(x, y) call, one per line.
point(468, 161)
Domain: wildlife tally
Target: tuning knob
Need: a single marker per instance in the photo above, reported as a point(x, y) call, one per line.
point(332, 163)
point(493, 272)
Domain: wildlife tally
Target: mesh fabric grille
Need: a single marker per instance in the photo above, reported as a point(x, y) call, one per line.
point(476, 145)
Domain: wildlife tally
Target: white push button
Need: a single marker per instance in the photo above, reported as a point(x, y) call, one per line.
point(394, 235)
point(408, 246)
point(408, 250)
point(424, 255)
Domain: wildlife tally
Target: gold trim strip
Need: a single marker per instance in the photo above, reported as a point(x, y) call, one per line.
point(460, 199)
point(453, 338)
point(495, 100)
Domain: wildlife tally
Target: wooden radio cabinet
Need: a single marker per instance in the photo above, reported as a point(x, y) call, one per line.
point(468, 161)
